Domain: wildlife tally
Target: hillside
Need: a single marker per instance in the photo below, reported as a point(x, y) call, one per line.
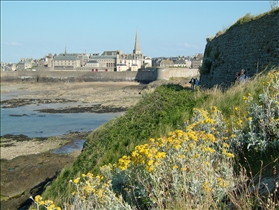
point(173, 108)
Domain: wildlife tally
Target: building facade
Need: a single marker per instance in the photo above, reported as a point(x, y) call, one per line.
point(66, 62)
point(118, 61)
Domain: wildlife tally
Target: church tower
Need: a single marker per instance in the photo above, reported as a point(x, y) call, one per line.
point(137, 48)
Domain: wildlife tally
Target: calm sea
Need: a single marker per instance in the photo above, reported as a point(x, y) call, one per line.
point(26, 120)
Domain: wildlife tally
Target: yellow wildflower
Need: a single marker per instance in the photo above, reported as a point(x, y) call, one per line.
point(206, 163)
point(225, 145)
point(213, 128)
point(191, 145)
point(38, 198)
point(150, 162)
point(233, 136)
point(222, 183)
point(149, 168)
point(206, 187)
point(245, 98)
point(76, 180)
point(160, 155)
point(196, 156)
point(230, 155)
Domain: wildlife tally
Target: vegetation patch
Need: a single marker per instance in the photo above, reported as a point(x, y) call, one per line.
point(181, 149)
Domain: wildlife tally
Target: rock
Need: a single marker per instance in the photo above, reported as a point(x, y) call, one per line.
point(28, 175)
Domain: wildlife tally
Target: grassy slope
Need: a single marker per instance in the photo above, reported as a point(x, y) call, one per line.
point(155, 115)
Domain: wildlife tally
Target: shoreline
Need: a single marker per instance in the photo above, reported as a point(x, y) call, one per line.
point(13, 146)
point(107, 94)
point(106, 97)
point(27, 164)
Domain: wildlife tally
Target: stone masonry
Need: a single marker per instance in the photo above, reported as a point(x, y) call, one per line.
point(252, 45)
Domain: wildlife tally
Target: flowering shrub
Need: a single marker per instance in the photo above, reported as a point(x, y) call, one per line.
point(191, 163)
point(45, 204)
point(260, 131)
point(95, 192)
point(195, 163)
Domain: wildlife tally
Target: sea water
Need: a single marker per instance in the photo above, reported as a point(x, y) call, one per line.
point(27, 120)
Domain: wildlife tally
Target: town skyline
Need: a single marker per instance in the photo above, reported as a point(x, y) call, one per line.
point(166, 29)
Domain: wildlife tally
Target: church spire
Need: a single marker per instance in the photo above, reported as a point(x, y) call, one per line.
point(137, 48)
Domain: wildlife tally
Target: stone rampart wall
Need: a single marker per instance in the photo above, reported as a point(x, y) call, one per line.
point(184, 72)
point(253, 46)
point(52, 76)
point(145, 76)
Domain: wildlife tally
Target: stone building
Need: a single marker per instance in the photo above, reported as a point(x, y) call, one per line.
point(108, 61)
point(66, 62)
point(133, 61)
point(8, 67)
point(25, 63)
point(177, 62)
point(166, 63)
point(101, 63)
point(181, 63)
point(118, 61)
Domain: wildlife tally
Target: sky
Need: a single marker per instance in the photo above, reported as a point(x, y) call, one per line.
point(33, 29)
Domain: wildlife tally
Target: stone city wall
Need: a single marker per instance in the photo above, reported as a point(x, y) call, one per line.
point(73, 76)
point(253, 46)
point(145, 76)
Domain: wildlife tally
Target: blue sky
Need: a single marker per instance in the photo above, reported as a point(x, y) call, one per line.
point(32, 29)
